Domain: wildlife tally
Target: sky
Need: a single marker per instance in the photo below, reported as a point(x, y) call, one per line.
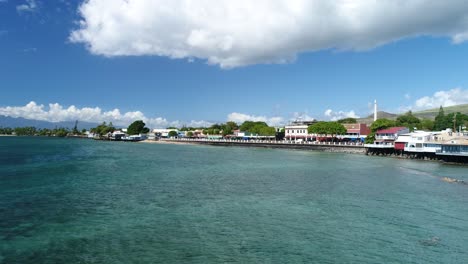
point(199, 62)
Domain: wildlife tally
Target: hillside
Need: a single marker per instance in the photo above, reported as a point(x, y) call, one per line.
point(431, 113)
point(380, 114)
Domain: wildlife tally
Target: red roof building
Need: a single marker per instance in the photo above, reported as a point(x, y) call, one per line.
point(389, 135)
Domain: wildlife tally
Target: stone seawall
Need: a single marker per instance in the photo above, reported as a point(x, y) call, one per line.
point(354, 149)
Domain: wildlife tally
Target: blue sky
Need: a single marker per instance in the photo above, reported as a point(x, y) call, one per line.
point(123, 62)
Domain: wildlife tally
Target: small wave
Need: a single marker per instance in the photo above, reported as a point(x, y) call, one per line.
point(452, 180)
point(434, 241)
point(416, 171)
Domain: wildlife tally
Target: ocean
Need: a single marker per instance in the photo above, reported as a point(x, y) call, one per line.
point(85, 201)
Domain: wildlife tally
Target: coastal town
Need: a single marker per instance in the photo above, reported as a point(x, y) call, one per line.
point(405, 137)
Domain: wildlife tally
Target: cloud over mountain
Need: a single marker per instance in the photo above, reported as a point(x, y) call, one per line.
point(240, 118)
point(57, 113)
point(237, 33)
point(337, 115)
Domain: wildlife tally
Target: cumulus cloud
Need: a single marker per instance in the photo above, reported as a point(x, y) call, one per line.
point(240, 118)
point(332, 115)
point(243, 32)
point(28, 6)
point(451, 97)
point(56, 113)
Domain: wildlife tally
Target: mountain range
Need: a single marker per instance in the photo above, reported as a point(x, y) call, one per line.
point(6, 121)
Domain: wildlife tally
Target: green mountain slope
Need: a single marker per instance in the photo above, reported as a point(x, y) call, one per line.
point(431, 113)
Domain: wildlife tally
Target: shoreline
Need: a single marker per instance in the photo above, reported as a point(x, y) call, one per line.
point(330, 148)
point(349, 149)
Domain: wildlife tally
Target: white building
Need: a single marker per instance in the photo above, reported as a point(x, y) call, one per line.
point(164, 132)
point(421, 141)
point(297, 130)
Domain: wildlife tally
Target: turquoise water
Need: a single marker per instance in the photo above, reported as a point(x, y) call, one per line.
point(82, 201)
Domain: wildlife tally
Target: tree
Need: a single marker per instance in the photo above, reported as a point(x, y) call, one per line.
point(189, 134)
point(137, 127)
point(319, 128)
point(348, 120)
point(327, 128)
point(441, 122)
point(378, 124)
point(249, 126)
point(382, 123)
point(173, 133)
point(267, 131)
point(103, 129)
point(408, 120)
point(427, 124)
point(229, 127)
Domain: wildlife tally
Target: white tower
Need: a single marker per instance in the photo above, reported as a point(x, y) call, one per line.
point(375, 110)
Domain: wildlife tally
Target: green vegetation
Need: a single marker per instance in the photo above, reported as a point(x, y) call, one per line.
point(257, 128)
point(173, 133)
point(408, 120)
point(379, 124)
point(432, 113)
point(189, 134)
point(327, 128)
point(6, 131)
point(348, 120)
point(452, 120)
point(137, 127)
point(32, 131)
point(103, 129)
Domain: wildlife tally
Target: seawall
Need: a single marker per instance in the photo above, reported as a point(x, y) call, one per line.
point(327, 147)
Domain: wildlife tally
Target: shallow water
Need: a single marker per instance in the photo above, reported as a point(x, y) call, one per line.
point(84, 201)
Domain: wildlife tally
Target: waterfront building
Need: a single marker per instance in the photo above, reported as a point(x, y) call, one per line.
point(164, 132)
point(454, 147)
point(356, 132)
point(421, 141)
point(297, 130)
point(389, 135)
point(386, 138)
point(117, 135)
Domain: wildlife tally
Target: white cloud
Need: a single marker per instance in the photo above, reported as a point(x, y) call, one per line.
point(240, 118)
point(243, 32)
point(56, 113)
point(451, 97)
point(304, 116)
point(28, 6)
point(332, 115)
point(28, 50)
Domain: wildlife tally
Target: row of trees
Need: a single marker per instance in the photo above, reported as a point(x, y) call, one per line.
point(452, 120)
point(253, 127)
point(327, 128)
point(33, 131)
